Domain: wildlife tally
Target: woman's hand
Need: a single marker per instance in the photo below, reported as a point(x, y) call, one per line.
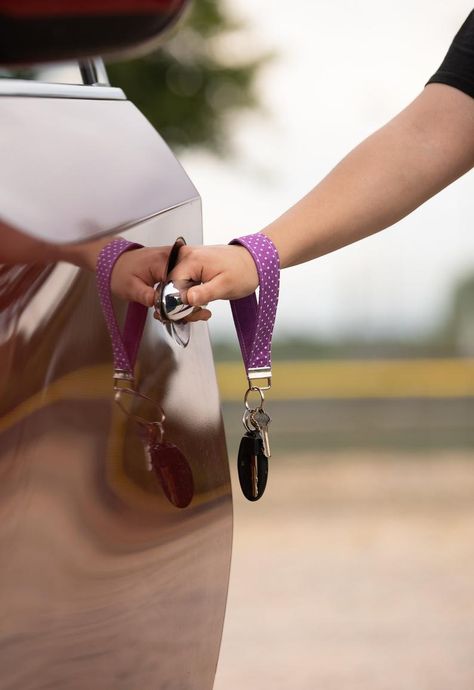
point(137, 271)
point(225, 271)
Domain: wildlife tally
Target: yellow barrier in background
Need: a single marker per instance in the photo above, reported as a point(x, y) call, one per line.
point(345, 379)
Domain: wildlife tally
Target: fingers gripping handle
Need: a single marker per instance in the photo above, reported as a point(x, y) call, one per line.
point(169, 303)
point(170, 297)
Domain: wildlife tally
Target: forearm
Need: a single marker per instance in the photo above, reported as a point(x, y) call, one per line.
point(418, 153)
point(133, 277)
point(83, 255)
point(18, 248)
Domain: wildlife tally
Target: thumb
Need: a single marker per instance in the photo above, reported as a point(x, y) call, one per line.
point(199, 295)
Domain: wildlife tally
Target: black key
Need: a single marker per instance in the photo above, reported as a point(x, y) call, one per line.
point(252, 466)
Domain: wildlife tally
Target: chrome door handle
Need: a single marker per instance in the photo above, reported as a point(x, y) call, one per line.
point(170, 303)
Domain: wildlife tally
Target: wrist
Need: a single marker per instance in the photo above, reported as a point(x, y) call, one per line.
point(83, 255)
point(249, 269)
point(278, 244)
point(262, 259)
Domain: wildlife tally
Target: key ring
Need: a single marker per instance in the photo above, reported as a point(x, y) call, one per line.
point(253, 389)
point(121, 390)
point(247, 421)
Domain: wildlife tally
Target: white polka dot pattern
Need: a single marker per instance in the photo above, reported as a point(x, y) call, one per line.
point(254, 321)
point(124, 348)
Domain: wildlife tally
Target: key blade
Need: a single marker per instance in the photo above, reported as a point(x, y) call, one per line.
point(266, 442)
point(149, 464)
point(261, 420)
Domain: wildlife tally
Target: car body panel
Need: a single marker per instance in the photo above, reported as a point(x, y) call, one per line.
point(104, 582)
point(86, 166)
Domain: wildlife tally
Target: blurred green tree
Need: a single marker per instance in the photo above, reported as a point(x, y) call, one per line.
point(190, 89)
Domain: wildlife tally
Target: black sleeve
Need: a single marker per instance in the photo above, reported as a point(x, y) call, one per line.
point(457, 68)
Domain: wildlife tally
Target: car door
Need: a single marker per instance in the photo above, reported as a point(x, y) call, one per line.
point(104, 582)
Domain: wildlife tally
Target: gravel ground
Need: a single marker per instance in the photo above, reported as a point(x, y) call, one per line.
point(355, 571)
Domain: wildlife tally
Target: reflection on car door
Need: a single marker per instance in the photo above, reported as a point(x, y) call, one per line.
point(104, 582)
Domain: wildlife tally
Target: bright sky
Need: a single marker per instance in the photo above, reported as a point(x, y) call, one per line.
point(343, 69)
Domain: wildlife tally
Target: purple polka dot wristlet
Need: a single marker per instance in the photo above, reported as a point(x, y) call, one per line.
point(254, 322)
point(166, 460)
point(125, 348)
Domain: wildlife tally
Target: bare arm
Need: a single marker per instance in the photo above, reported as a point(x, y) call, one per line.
point(135, 272)
point(418, 153)
point(133, 277)
point(422, 150)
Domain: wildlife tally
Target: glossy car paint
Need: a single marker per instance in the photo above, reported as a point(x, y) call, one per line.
point(82, 166)
point(104, 583)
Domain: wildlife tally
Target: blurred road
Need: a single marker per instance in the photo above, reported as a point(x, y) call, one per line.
point(355, 571)
point(404, 424)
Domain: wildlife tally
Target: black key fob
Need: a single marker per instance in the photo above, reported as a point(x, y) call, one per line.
point(173, 472)
point(252, 466)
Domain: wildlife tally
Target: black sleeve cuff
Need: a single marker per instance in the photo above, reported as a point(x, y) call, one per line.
point(457, 68)
point(455, 80)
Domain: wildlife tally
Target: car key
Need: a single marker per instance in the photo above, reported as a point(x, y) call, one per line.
point(261, 420)
point(252, 466)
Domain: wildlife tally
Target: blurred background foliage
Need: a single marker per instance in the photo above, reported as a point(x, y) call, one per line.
point(191, 88)
point(452, 337)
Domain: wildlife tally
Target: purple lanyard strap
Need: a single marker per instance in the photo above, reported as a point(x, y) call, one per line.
point(169, 464)
point(254, 321)
point(125, 347)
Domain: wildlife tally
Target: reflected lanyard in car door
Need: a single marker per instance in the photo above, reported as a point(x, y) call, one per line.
point(166, 459)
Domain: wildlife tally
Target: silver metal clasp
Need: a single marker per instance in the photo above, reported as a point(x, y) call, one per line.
point(123, 375)
point(255, 374)
point(151, 414)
